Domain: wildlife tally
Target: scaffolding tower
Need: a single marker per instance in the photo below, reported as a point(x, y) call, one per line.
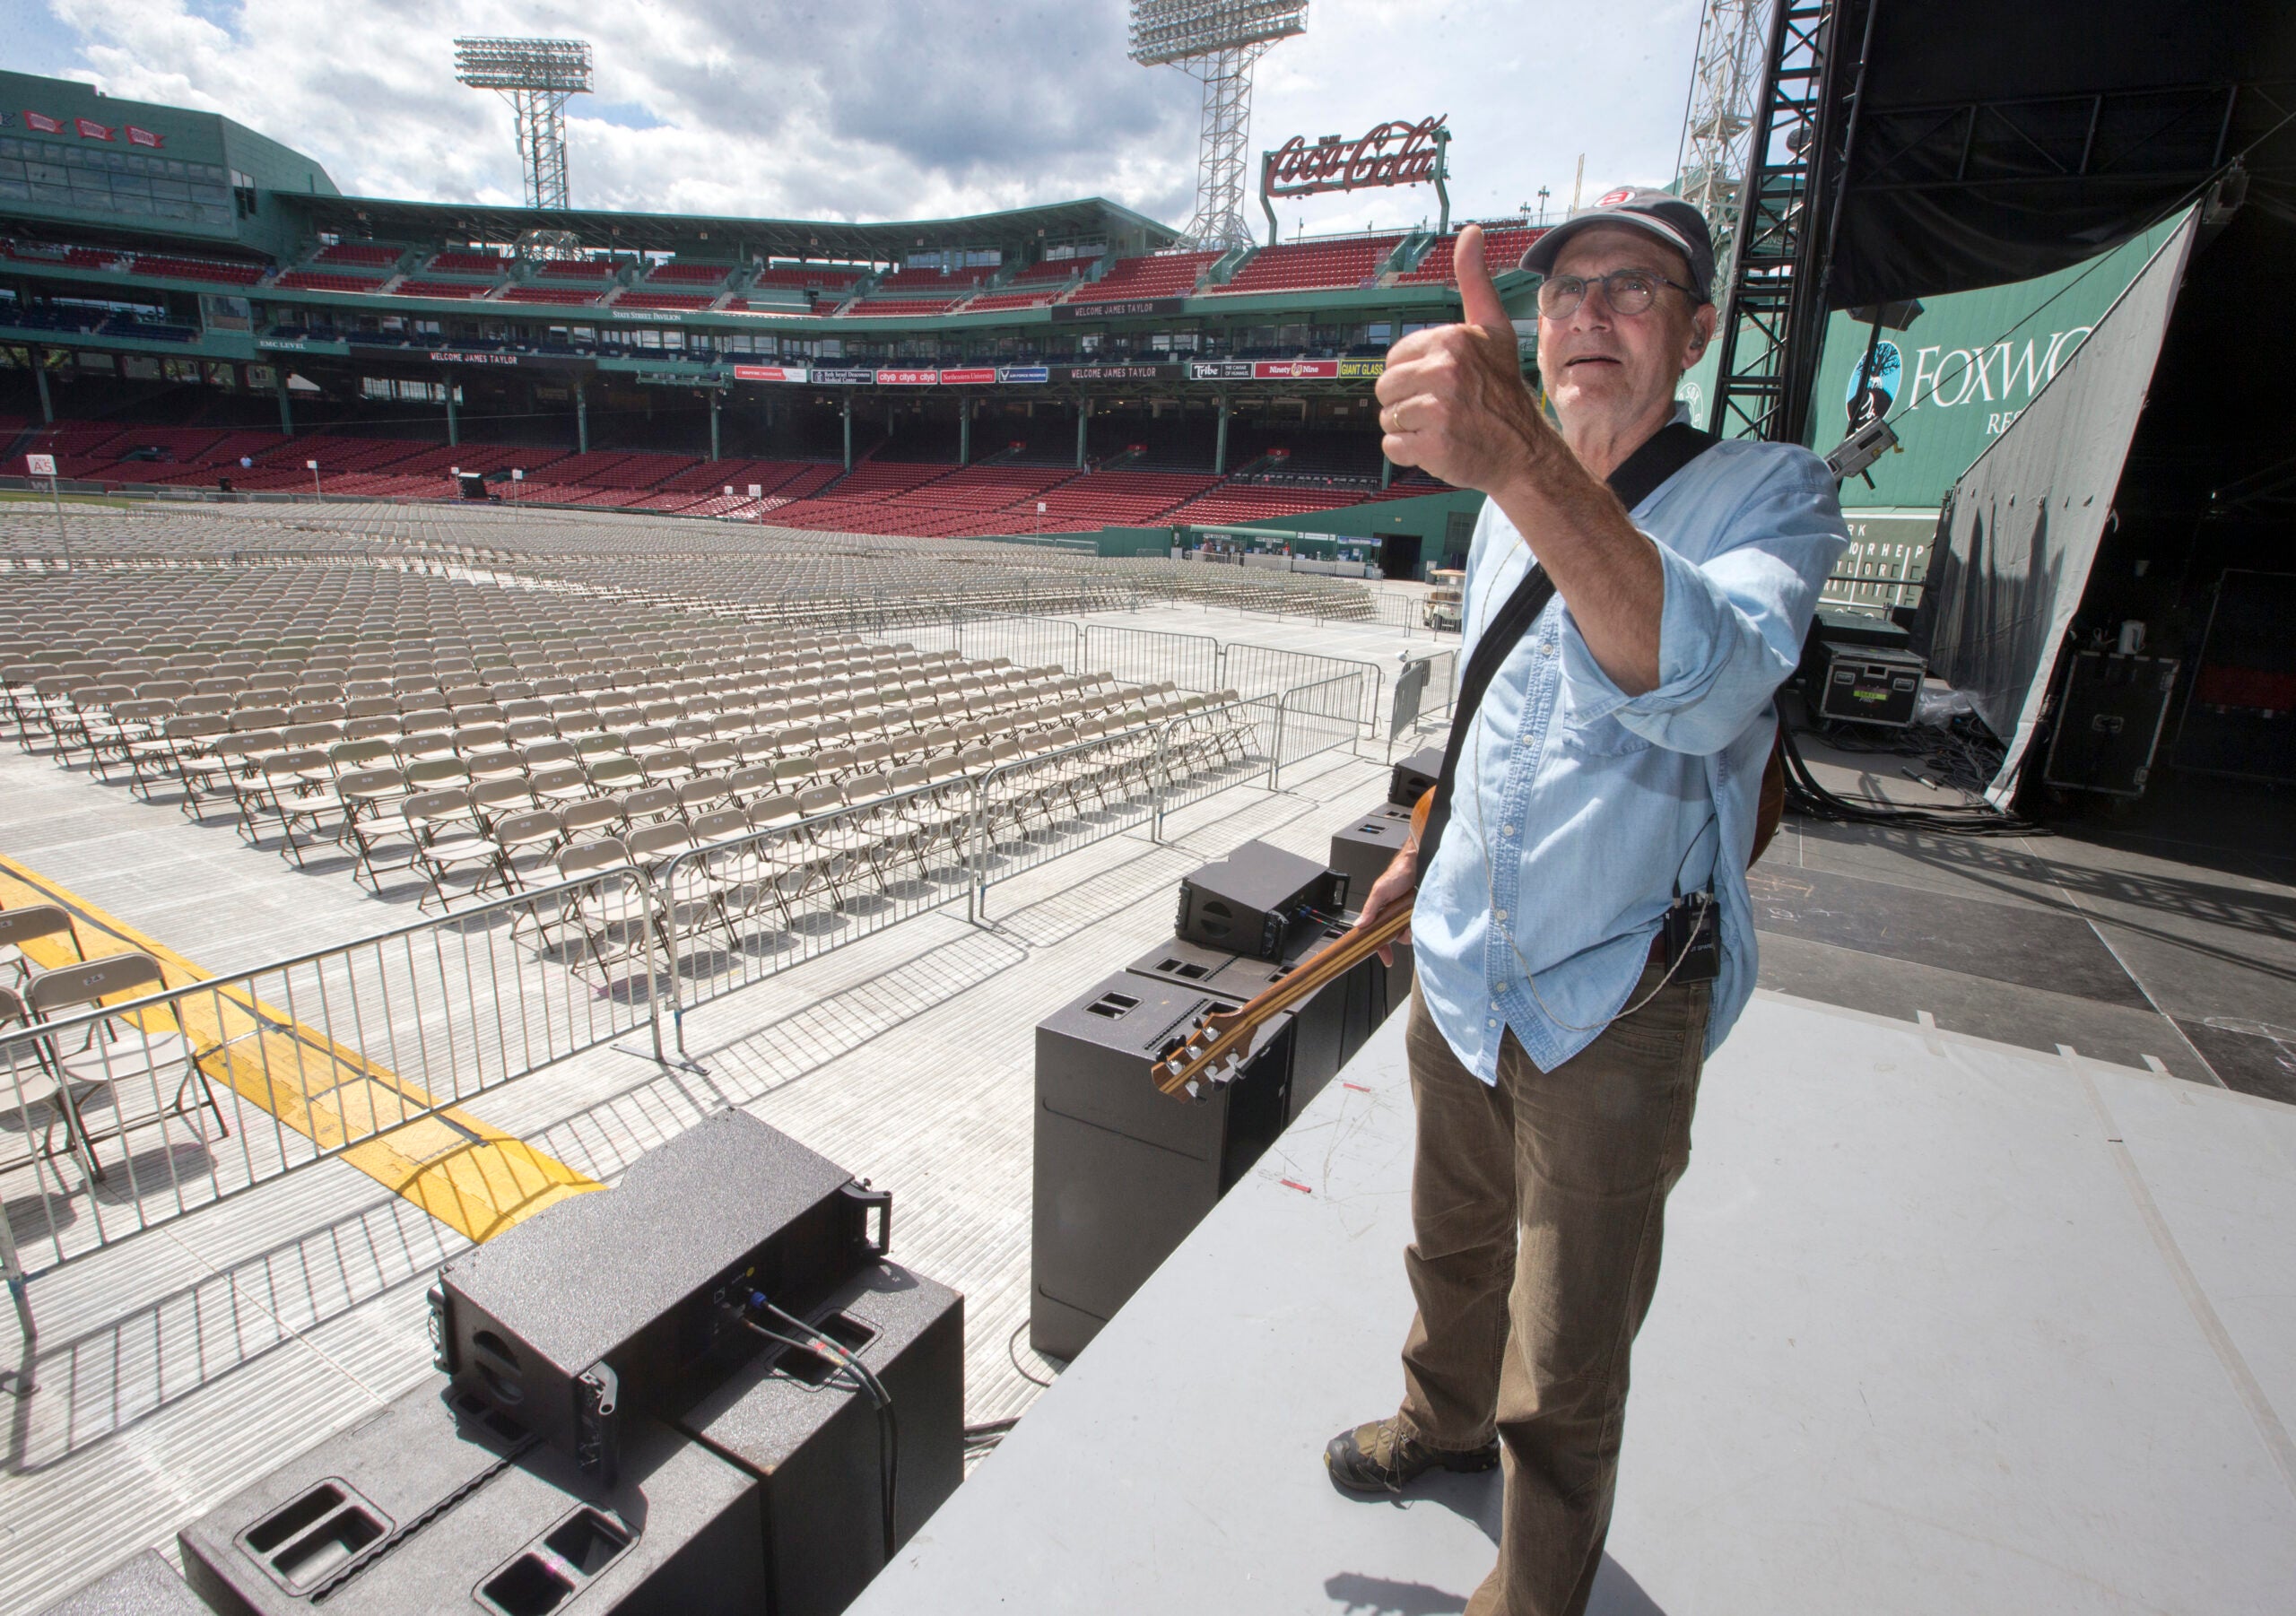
point(1726, 79)
point(537, 77)
point(1217, 42)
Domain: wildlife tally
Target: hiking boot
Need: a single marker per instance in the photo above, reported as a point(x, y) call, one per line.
point(1380, 1458)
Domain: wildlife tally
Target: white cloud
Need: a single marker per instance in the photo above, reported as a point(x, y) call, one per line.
point(806, 109)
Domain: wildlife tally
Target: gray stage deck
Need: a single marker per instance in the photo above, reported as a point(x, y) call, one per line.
point(1944, 1326)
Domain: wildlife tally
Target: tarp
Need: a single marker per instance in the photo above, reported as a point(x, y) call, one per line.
point(2023, 523)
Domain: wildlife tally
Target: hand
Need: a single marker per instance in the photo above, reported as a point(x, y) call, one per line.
point(1395, 885)
point(1452, 400)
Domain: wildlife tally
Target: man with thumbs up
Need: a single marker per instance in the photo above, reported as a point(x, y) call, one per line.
point(1636, 593)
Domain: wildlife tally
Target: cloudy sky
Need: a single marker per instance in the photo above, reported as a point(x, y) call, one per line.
point(894, 108)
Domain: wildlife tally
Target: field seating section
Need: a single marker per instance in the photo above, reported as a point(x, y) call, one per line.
point(566, 296)
point(829, 277)
point(467, 264)
point(1503, 247)
point(64, 253)
point(675, 274)
point(315, 280)
point(575, 269)
point(362, 253)
point(664, 300)
point(1049, 270)
point(894, 306)
point(1156, 275)
point(928, 283)
point(438, 288)
point(215, 270)
point(987, 302)
point(1306, 265)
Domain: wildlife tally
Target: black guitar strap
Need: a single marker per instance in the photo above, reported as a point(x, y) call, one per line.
point(1669, 449)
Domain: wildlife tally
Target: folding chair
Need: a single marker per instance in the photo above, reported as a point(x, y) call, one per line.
point(29, 924)
point(123, 1057)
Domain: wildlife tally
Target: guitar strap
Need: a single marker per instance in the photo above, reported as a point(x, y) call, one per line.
point(1665, 452)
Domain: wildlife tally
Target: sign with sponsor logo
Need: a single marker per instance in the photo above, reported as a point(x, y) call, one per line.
point(983, 375)
point(1013, 374)
point(1220, 370)
point(1119, 372)
point(1362, 369)
point(768, 372)
point(1294, 369)
point(908, 378)
point(844, 377)
point(1396, 153)
point(145, 138)
point(1116, 309)
point(89, 129)
point(43, 124)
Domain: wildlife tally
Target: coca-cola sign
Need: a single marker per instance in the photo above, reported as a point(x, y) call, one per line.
point(1396, 153)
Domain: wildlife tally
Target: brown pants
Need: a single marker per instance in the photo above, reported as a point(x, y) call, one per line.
point(1537, 1208)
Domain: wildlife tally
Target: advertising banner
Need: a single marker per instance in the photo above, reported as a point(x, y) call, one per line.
point(1220, 370)
point(145, 138)
point(1294, 369)
point(1116, 309)
point(1362, 369)
point(89, 129)
point(1119, 372)
point(908, 378)
point(41, 123)
point(845, 377)
point(980, 376)
point(1396, 153)
point(770, 373)
point(1012, 374)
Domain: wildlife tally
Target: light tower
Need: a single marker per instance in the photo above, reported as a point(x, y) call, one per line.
point(537, 77)
point(1216, 41)
point(1710, 167)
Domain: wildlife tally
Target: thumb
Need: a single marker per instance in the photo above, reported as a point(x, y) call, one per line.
point(1484, 307)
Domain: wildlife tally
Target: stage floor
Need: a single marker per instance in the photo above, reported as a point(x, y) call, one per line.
point(1946, 1325)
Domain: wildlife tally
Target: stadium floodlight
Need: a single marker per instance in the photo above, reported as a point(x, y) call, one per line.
point(1216, 41)
point(537, 77)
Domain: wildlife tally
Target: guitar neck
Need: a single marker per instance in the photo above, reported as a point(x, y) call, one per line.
point(1319, 972)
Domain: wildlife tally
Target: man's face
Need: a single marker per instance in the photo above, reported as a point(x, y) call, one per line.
point(1597, 363)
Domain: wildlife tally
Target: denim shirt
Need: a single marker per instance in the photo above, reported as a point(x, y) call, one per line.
point(1580, 811)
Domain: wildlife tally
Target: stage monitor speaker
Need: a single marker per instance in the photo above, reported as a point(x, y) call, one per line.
point(1415, 776)
point(1123, 1172)
point(1364, 847)
point(599, 1304)
point(788, 1418)
point(145, 1586)
point(1256, 900)
point(440, 1503)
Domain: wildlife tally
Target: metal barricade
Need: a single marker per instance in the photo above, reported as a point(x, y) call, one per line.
point(1318, 717)
point(736, 910)
point(1028, 641)
point(134, 1113)
point(1152, 656)
point(1251, 670)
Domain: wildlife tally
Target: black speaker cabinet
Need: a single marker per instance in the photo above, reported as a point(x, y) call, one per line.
point(440, 1503)
point(1255, 900)
point(1123, 1172)
point(1415, 776)
point(812, 1442)
point(145, 1586)
point(1364, 847)
point(578, 1316)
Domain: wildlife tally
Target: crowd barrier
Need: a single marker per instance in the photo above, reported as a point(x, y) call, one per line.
point(165, 1102)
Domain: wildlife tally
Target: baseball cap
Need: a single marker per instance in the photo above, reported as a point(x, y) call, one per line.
point(1662, 213)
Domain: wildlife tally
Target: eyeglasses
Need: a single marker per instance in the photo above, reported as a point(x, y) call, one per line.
point(1628, 292)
